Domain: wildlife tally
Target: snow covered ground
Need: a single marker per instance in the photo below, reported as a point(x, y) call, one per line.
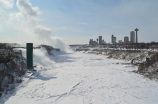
point(80, 78)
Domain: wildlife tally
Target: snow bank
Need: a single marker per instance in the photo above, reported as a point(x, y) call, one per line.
point(12, 67)
point(80, 78)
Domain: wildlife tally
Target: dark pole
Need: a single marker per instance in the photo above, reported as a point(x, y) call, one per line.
point(29, 57)
point(136, 35)
point(136, 38)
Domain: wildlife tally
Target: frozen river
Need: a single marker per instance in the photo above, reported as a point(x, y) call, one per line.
point(80, 78)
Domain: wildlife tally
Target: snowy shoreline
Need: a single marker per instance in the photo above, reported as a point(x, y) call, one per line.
point(80, 78)
point(147, 68)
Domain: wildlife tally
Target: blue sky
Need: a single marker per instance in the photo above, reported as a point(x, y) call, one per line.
point(76, 21)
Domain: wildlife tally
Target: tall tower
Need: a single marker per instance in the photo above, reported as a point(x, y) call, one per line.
point(112, 36)
point(91, 42)
point(136, 35)
point(126, 40)
point(100, 39)
point(113, 39)
point(132, 37)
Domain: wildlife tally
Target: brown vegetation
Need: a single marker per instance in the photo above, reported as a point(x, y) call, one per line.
point(12, 65)
point(147, 61)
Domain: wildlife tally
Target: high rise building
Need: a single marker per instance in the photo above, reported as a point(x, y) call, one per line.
point(126, 40)
point(94, 42)
point(112, 36)
point(120, 41)
point(113, 39)
point(132, 37)
point(100, 39)
point(91, 42)
point(103, 42)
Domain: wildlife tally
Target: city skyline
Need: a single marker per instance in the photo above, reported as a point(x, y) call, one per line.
point(75, 25)
point(132, 38)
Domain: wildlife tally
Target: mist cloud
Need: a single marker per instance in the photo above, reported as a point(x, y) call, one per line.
point(43, 33)
point(25, 24)
point(26, 8)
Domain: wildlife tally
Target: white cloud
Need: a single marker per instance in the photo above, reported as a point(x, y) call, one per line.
point(27, 15)
point(25, 26)
point(43, 33)
point(6, 4)
point(26, 20)
point(26, 8)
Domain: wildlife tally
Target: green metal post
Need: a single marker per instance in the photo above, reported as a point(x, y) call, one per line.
point(29, 55)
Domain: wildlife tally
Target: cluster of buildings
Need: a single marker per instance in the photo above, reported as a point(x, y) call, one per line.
point(127, 40)
point(97, 41)
point(133, 38)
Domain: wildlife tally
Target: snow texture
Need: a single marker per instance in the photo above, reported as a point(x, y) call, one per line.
point(80, 78)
